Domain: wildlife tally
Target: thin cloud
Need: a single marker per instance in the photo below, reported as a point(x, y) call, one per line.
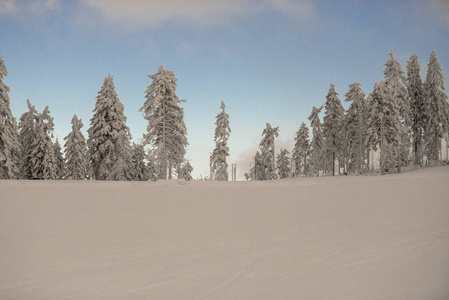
point(15, 7)
point(442, 6)
point(209, 12)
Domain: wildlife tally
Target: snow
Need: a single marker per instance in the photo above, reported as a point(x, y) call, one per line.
point(366, 237)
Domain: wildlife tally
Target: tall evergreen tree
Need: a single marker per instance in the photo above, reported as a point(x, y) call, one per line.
point(9, 136)
point(395, 87)
point(27, 133)
point(59, 160)
point(267, 151)
point(76, 152)
point(167, 132)
point(317, 140)
point(219, 166)
point(437, 108)
point(301, 150)
point(283, 164)
point(140, 168)
point(109, 137)
point(416, 99)
point(356, 126)
point(186, 171)
point(332, 125)
point(257, 171)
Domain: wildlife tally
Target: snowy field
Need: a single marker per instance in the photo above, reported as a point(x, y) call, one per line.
point(310, 238)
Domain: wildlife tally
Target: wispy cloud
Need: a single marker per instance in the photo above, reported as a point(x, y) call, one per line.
point(15, 7)
point(209, 12)
point(442, 7)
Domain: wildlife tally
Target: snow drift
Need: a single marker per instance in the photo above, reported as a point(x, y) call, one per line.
point(309, 238)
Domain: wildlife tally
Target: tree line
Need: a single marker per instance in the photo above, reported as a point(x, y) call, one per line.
point(403, 119)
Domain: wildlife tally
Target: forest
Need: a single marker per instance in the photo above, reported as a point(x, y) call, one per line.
point(403, 120)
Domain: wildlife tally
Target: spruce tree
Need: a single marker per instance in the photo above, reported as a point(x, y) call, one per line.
point(267, 152)
point(283, 164)
point(301, 150)
point(219, 166)
point(317, 140)
point(436, 108)
point(416, 99)
point(59, 160)
point(27, 134)
point(167, 132)
point(332, 125)
point(356, 126)
point(140, 168)
point(76, 152)
point(109, 137)
point(257, 171)
point(9, 137)
point(186, 171)
point(395, 87)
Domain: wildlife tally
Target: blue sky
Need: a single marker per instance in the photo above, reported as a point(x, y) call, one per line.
point(269, 60)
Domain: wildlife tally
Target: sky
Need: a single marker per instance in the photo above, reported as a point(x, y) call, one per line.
point(268, 60)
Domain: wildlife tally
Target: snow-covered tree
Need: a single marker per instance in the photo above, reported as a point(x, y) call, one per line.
point(109, 137)
point(9, 137)
point(27, 134)
point(42, 156)
point(139, 166)
point(76, 152)
point(356, 126)
point(395, 81)
point(383, 125)
point(437, 108)
point(218, 164)
point(257, 171)
point(416, 99)
point(283, 164)
point(167, 131)
point(301, 150)
point(186, 171)
point(332, 126)
point(317, 140)
point(267, 152)
point(59, 160)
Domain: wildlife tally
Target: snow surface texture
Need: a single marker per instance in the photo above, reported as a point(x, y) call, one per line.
point(311, 238)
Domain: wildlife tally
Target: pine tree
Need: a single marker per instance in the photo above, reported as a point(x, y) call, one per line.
point(27, 134)
point(317, 140)
point(436, 108)
point(356, 126)
point(59, 160)
point(257, 171)
point(140, 168)
point(383, 125)
point(301, 150)
point(283, 164)
point(109, 137)
point(167, 132)
point(9, 136)
point(332, 125)
point(76, 152)
point(397, 92)
point(42, 158)
point(152, 164)
point(416, 99)
point(267, 152)
point(219, 166)
point(186, 171)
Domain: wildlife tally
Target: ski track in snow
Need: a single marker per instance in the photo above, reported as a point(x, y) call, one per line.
point(342, 238)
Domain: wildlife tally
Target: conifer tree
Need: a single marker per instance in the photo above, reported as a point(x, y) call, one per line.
point(186, 171)
point(167, 132)
point(109, 137)
point(332, 125)
point(283, 164)
point(42, 156)
point(267, 152)
point(257, 171)
point(301, 150)
point(219, 166)
point(436, 108)
point(76, 152)
point(140, 168)
point(416, 99)
point(317, 140)
point(27, 134)
point(152, 164)
point(9, 136)
point(395, 87)
point(356, 125)
point(59, 160)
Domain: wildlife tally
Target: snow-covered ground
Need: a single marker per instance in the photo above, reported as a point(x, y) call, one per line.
point(367, 237)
